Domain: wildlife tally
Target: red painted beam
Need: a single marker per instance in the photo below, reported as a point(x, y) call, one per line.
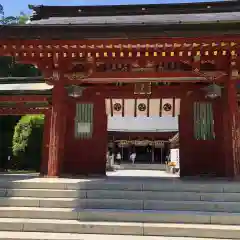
point(133, 77)
point(23, 99)
point(22, 111)
point(127, 91)
point(62, 44)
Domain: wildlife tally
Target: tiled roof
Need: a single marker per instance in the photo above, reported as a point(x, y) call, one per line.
point(44, 11)
point(142, 19)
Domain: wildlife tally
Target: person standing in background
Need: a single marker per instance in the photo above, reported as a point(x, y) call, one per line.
point(119, 158)
point(133, 157)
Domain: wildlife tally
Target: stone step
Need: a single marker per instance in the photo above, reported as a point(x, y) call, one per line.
point(127, 184)
point(40, 202)
point(43, 193)
point(136, 166)
point(123, 194)
point(72, 236)
point(31, 184)
point(144, 195)
point(161, 195)
point(39, 213)
point(149, 216)
point(125, 204)
point(121, 215)
point(71, 203)
point(113, 194)
point(201, 206)
point(120, 228)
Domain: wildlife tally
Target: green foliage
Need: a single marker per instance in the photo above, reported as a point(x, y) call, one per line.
point(21, 19)
point(23, 131)
point(8, 66)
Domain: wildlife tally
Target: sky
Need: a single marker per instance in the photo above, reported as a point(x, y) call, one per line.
point(14, 7)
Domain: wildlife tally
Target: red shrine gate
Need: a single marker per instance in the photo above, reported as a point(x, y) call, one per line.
point(199, 71)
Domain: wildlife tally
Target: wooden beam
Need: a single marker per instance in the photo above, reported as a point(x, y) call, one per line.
point(156, 91)
point(148, 76)
point(22, 111)
point(132, 80)
point(66, 45)
point(13, 80)
point(23, 98)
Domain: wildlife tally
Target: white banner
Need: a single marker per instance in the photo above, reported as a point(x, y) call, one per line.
point(154, 107)
point(129, 107)
point(142, 107)
point(117, 107)
point(167, 107)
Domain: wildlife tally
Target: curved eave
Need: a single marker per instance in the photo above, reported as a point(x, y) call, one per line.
point(172, 25)
point(58, 32)
point(147, 19)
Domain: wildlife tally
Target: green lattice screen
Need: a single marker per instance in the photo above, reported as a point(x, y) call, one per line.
point(203, 121)
point(84, 120)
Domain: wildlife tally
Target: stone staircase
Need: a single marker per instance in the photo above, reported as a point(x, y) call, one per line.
point(136, 166)
point(157, 207)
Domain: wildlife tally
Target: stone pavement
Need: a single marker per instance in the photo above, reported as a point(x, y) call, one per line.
point(66, 236)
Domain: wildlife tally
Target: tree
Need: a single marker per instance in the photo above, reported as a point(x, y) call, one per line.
point(8, 65)
point(21, 19)
point(27, 142)
point(1, 9)
point(6, 20)
point(9, 68)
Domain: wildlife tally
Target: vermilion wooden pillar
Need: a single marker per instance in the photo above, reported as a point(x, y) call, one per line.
point(57, 129)
point(46, 139)
point(185, 135)
point(229, 126)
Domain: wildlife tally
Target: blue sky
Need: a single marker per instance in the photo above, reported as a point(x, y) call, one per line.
point(13, 7)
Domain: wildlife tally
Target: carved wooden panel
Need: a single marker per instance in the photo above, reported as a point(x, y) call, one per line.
point(142, 88)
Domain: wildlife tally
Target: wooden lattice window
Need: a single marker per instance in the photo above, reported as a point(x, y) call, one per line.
point(203, 121)
point(84, 121)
